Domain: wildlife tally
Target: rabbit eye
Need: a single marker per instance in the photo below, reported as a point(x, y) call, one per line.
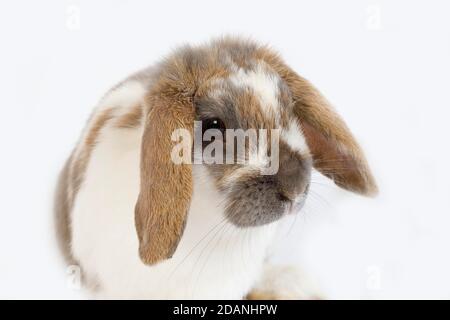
point(213, 123)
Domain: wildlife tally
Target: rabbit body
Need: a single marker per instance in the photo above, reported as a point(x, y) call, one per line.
point(141, 225)
point(214, 259)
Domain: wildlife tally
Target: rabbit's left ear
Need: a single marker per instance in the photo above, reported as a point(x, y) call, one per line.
point(335, 152)
point(166, 187)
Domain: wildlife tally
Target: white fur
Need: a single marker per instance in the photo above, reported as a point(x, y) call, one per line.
point(294, 138)
point(213, 260)
point(264, 84)
point(126, 95)
point(287, 282)
point(119, 99)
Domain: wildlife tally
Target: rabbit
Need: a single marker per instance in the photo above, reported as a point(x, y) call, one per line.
point(143, 227)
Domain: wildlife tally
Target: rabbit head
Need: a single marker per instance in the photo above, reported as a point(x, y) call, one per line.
point(237, 86)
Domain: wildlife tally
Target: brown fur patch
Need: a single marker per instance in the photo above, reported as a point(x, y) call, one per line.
point(166, 188)
point(69, 183)
point(263, 295)
point(266, 295)
point(79, 164)
point(131, 119)
point(249, 109)
point(62, 208)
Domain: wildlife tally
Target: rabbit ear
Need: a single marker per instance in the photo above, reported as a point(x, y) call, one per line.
point(166, 187)
point(335, 152)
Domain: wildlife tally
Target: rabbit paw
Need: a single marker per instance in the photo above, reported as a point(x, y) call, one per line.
point(284, 283)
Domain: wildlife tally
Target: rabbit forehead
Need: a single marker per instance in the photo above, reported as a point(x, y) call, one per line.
point(254, 96)
point(264, 84)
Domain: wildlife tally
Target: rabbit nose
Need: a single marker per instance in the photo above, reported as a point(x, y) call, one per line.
point(295, 202)
point(293, 175)
point(293, 182)
point(295, 196)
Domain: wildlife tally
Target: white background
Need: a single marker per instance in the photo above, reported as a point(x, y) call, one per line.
point(385, 65)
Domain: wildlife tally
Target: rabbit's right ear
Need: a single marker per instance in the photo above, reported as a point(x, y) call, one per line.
point(165, 187)
point(335, 151)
